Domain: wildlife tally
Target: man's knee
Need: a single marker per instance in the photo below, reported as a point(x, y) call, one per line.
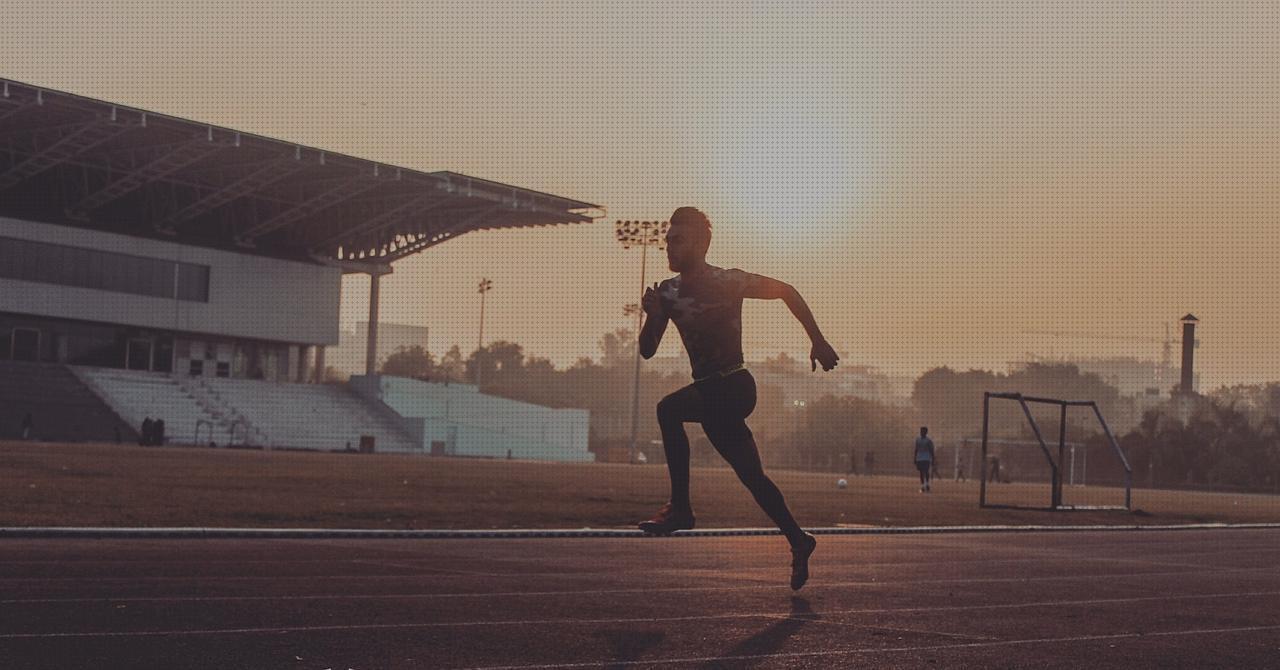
point(753, 477)
point(732, 439)
point(668, 410)
point(738, 448)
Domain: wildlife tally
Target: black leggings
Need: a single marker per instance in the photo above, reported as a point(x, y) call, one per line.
point(721, 405)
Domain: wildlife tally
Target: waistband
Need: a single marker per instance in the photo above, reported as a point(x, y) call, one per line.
point(721, 374)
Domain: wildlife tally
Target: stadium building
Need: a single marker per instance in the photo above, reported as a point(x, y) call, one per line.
point(155, 267)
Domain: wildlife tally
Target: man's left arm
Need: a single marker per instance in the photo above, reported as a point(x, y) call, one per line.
point(768, 288)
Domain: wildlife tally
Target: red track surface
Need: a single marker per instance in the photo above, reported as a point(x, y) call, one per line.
point(1050, 600)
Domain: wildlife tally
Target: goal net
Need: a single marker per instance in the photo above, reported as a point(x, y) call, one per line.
point(1049, 470)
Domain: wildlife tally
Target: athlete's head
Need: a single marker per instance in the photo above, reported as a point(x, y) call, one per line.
point(924, 430)
point(688, 238)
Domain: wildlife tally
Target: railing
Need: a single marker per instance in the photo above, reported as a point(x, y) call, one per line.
point(212, 402)
point(199, 423)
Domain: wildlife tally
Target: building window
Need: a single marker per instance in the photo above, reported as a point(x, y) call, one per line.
point(138, 355)
point(25, 344)
point(197, 368)
point(193, 282)
point(224, 369)
point(164, 354)
point(27, 260)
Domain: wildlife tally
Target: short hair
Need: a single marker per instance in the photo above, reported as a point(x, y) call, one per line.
point(692, 216)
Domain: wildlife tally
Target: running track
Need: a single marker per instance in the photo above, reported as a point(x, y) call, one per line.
point(1204, 598)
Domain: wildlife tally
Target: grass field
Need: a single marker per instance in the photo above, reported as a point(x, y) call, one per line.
point(113, 485)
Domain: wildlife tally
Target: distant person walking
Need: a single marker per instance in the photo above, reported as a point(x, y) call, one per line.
point(144, 436)
point(705, 302)
point(924, 456)
point(27, 423)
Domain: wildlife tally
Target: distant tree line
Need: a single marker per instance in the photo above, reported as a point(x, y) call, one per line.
point(1230, 438)
point(952, 401)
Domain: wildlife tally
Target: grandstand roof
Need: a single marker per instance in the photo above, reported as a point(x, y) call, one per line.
point(76, 161)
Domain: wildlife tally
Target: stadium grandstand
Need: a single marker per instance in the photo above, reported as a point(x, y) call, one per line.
point(156, 267)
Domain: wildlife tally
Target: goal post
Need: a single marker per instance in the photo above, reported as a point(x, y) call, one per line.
point(1055, 464)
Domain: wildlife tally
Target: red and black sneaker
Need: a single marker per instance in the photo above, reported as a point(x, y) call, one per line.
point(667, 521)
point(800, 561)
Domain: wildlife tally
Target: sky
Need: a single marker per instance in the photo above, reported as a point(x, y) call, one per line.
point(938, 179)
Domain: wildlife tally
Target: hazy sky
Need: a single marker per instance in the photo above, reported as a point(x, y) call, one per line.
point(935, 177)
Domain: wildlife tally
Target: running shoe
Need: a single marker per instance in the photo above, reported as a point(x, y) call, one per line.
point(800, 561)
point(668, 521)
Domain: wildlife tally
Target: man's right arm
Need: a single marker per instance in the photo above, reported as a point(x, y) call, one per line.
point(655, 322)
point(651, 334)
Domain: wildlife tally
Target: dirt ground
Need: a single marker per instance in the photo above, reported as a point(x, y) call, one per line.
point(124, 485)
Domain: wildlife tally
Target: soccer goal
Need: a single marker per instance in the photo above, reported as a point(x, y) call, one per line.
point(1002, 462)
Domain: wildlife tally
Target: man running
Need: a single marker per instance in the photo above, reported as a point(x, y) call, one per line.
point(706, 304)
point(924, 458)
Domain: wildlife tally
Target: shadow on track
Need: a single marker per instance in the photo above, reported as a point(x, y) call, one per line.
point(628, 646)
point(771, 639)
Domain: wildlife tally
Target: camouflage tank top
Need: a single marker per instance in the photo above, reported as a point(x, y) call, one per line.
point(708, 314)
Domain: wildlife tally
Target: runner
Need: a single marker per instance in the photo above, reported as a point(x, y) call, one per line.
point(706, 304)
point(925, 458)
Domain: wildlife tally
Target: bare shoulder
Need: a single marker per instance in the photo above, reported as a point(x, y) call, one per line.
point(754, 285)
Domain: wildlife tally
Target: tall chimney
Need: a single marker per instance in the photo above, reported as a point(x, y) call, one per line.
point(1188, 350)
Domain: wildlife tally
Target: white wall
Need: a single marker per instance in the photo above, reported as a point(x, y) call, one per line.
point(249, 296)
point(474, 424)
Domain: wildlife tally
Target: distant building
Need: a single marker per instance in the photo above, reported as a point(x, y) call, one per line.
point(1133, 377)
point(859, 381)
point(348, 357)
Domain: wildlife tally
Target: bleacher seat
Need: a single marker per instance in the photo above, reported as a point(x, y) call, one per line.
point(138, 395)
point(311, 416)
point(63, 409)
point(245, 411)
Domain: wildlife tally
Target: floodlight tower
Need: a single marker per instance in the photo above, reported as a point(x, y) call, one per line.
point(643, 234)
point(485, 286)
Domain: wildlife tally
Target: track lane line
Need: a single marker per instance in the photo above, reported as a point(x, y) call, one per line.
point(1092, 602)
point(1268, 571)
point(682, 589)
point(888, 650)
